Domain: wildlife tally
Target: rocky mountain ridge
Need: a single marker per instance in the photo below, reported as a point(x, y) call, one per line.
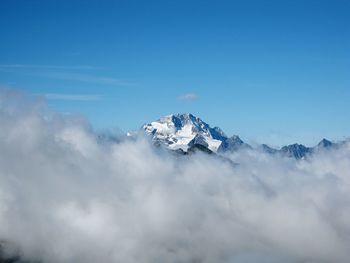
point(186, 132)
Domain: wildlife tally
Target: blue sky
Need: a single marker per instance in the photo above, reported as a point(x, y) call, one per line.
point(271, 71)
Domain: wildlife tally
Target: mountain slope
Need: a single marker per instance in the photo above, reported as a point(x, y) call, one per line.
point(186, 133)
point(180, 131)
point(297, 151)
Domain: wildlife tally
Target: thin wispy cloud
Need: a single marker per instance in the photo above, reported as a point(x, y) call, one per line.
point(190, 96)
point(83, 77)
point(62, 72)
point(73, 97)
point(35, 66)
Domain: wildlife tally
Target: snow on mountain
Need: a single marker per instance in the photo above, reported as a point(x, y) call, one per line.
point(181, 131)
point(185, 132)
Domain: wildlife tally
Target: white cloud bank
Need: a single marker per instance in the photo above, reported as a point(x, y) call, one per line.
point(66, 198)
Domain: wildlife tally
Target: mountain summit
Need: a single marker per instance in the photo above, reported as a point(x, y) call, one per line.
point(181, 131)
point(187, 133)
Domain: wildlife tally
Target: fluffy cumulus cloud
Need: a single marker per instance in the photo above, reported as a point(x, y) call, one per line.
point(67, 197)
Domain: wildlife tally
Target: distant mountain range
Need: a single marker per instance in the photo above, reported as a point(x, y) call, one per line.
point(185, 133)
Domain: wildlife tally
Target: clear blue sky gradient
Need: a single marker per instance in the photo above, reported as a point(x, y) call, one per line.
point(272, 71)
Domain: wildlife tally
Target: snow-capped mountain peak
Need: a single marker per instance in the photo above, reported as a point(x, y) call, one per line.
point(180, 131)
point(186, 133)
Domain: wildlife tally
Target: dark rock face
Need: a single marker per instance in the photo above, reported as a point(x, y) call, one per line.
point(198, 148)
point(324, 143)
point(268, 149)
point(297, 151)
point(199, 140)
point(232, 144)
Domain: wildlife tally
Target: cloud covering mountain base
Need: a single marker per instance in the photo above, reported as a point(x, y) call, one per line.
point(67, 197)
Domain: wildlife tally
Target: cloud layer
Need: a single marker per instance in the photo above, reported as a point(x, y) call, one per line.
point(66, 197)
